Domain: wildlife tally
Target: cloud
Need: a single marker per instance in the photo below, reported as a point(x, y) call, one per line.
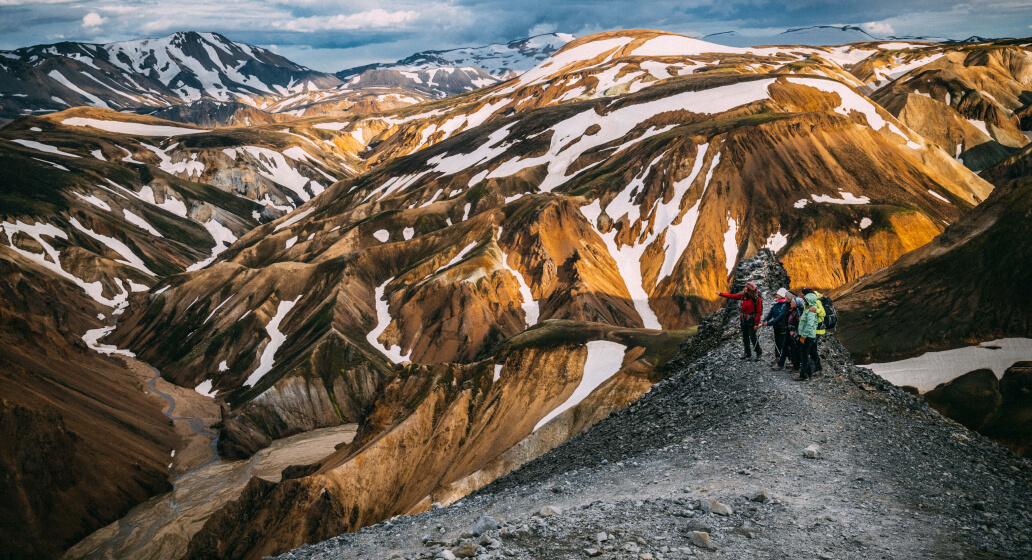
point(878, 28)
point(93, 20)
point(372, 19)
point(541, 29)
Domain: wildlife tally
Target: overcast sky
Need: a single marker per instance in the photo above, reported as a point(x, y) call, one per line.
point(331, 35)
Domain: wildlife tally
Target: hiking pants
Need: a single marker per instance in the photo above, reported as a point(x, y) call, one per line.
point(815, 354)
point(808, 349)
point(790, 351)
point(780, 342)
point(749, 337)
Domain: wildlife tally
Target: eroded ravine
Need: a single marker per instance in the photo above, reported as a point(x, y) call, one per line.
point(161, 527)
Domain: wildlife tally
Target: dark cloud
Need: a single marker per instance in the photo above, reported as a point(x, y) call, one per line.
point(333, 34)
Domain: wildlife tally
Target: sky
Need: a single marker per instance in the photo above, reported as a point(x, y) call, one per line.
point(331, 35)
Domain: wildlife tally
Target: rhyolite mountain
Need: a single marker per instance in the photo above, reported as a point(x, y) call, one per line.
point(472, 279)
point(505, 232)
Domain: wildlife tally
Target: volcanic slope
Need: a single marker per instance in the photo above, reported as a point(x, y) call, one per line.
point(115, 202)
point(629, 212)
point(80, 440)
point(644, 480)
point(439, 257)
point(971, 100)
point(968, 285)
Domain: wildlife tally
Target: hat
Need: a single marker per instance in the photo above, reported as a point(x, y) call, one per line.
point(782, 292)
point(799, 302)
point(751, 286)
point(807, 291)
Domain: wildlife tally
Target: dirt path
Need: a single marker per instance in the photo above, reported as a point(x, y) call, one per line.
point(895, 479)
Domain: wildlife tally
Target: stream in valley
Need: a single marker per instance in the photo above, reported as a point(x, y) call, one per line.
point(161, 528)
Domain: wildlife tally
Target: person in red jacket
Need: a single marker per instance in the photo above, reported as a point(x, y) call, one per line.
point(750, 312)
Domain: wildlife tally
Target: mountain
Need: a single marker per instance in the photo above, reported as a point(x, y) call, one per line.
point(971, 100)
point(499, 235)
point(455, 71)
point(180, 68)
point(966, 286)
point(501, 60)
point(472, 279)
point(710, 462)
point(810, 35)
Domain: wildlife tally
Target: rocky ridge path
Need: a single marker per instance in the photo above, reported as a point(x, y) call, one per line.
point(893, 479)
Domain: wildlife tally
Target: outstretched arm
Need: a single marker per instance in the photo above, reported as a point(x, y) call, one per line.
point(730, 296)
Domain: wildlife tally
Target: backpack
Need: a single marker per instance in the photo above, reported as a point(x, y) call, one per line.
point(831, 317)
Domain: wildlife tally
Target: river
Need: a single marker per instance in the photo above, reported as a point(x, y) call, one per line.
point(161, 528)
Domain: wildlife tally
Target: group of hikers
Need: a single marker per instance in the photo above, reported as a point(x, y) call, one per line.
point(798, 323)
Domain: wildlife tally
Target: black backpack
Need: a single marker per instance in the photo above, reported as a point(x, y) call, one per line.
point(830, 317)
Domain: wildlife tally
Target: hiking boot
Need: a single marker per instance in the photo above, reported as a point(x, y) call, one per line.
point(776, 368)
point(799, 379)
point(746, 357)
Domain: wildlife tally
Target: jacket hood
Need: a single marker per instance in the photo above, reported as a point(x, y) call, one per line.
point(811, 298)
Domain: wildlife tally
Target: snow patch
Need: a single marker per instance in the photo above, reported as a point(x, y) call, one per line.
point(383, 320)
point(276, 339)
point(132, 128)
point(604, 360)
point(39, 146)
point(92, 340)
point(928, 370)
point(139, 222)
point(382, 234)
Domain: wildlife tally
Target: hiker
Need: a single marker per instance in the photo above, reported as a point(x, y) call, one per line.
point(807, 336)
point(749, 318)
point(815, 354)
point(791, 351)
point(777, 318)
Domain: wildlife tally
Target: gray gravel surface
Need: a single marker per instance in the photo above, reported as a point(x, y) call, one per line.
point(719, 435)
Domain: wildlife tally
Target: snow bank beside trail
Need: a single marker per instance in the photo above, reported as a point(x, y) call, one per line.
point(276, 339)
point(132, 128)
point(604, 361)
point(928, 370)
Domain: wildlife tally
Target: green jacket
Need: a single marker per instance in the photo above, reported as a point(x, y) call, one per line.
point(808, 320)
point(821, 314)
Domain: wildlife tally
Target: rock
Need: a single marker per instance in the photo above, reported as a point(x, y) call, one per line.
point(715, 507)
point(700, 539)
point(812, 452)
point(632, 547)
point(549, 511)
point(445, 555)
point(700, 525)
point(466, 550)
point(645, 556)
point(601, 537)
point(761, 496)
point(436, 505)
point(592, 552)
point(484, 524)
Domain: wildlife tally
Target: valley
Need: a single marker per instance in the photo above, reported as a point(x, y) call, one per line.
point(400, 284)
